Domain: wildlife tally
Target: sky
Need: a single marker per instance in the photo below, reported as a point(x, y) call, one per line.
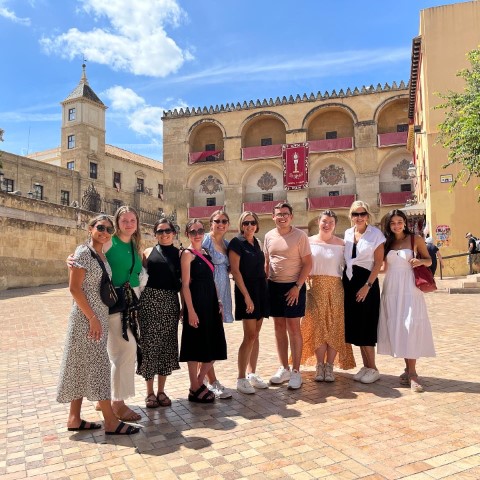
point(144, 57)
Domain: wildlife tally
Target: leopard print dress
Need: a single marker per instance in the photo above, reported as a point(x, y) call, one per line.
point(85, 368)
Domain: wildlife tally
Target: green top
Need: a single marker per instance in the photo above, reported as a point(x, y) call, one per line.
point(119, 257)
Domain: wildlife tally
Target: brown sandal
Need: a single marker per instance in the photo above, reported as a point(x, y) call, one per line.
point(126, 414)
point(163, 399)
point(151, 401)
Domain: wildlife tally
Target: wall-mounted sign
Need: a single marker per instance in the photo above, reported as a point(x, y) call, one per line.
point(448, 178)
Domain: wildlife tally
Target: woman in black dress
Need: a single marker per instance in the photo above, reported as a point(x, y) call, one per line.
point(159, 313)
point(364, 247)
point(203, 339)
point(247, 263)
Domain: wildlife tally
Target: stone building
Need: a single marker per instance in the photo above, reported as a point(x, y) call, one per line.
point(447, 33)
point(47, 198)
point(231, 156)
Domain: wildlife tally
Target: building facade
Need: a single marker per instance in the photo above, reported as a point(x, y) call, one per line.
point(231, 156)
point(447, 33)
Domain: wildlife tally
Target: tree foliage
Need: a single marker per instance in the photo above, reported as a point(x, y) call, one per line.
point(460, 131)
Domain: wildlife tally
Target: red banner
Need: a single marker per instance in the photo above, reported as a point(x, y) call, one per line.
point(295, 166)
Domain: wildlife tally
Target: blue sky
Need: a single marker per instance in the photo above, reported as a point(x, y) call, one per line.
point(147, 56)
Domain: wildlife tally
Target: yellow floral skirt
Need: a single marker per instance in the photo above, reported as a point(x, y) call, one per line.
point(324, 321)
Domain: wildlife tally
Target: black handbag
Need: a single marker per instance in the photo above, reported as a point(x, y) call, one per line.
point(108, 292)
point(121, 303)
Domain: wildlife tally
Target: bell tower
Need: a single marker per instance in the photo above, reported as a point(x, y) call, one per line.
point(83, 131)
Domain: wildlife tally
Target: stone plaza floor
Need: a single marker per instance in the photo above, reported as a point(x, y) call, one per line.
point(344, 430)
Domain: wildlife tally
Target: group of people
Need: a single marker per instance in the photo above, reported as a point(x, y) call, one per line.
point(341, 306)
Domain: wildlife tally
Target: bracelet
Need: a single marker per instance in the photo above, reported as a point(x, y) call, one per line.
point(93, 316)
point(369, 285)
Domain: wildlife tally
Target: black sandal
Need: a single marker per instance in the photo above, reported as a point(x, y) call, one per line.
point(129, 431)
point(209, 397)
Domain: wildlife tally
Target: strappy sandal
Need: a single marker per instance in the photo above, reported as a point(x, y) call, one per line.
point(126, 414)
point(194, 396)
point(414, 385)
point(404, 380)
point(120, 430)
point(151, 401)
point(163, 399)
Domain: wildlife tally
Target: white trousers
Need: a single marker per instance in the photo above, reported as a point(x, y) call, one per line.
point(123, 356)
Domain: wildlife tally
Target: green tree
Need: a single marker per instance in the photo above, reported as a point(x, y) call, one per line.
point(460, 131)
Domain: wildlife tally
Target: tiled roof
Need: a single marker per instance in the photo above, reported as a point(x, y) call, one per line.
point(84, 90)
point(134, 157)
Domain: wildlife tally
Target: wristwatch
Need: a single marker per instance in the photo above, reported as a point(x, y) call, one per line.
point(369, 285)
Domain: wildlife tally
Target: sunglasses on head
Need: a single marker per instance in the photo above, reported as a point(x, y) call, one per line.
point(223, 221)
point(167, 231)
point(246, 223)
point(200, 231)
point(359, 214)
point(103, 228)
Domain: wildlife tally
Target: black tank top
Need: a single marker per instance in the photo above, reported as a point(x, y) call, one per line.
point(160, 275)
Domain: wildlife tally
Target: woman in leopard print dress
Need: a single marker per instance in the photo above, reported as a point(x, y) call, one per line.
point(85, 369)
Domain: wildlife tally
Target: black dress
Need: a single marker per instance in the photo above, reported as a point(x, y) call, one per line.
point(252, 268)
point(159, 314)
point(361, 318)
point(206, 343)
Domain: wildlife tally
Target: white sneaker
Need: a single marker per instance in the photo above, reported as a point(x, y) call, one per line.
point(370, 376)
point(329, 375)
point(320, 372)
point(219, 390)
point(244, 386)
point(358, 376)
point(295, 380)
point(283, 375)
point(256, 381)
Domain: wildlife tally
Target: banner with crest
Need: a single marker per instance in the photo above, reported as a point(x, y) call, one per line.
point(295, 166)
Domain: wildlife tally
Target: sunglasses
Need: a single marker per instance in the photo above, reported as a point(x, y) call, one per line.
point(246, 223)
point(103, 228)
point(359, 214)
point(167, 231)
point(194, 233)
point(223, 221)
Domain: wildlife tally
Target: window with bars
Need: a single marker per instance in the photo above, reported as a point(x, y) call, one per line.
point(267, 197)
point(211, 201)
point(406, 187)
point(93, 170)
point(65, 197)
point(265, 142)
point(38, 191)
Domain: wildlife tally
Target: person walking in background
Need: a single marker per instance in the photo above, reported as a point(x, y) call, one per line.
point(247, 263)
point(288, 262)
point(216, 245)
point(404, 328)
point(363, 258)
point(159, 313)
point(434, 253)
point(323, 327)
point(85, 369)
point(474, 251)
point(203, 339)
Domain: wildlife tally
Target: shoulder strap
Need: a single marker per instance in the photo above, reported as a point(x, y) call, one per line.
point(99, 260)
point(165, 259)
point(200, 255)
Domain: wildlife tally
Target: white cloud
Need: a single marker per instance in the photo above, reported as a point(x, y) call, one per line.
point(10, 15)
point(142, 118)
point(134, 39)
point(280, 68)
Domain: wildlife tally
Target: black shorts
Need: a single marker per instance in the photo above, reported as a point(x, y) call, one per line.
point(278, 300)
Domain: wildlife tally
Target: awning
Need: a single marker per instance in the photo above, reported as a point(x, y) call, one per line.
point(414, 210)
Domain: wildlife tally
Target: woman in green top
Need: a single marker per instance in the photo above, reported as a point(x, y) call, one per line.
point(123, 353)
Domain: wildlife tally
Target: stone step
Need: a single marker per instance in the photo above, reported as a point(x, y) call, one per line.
point(470, 290)
point(470, 285)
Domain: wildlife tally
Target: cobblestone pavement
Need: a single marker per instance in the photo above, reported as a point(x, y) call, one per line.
point(344, 430)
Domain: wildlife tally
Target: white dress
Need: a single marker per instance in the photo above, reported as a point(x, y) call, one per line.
point(404, 328)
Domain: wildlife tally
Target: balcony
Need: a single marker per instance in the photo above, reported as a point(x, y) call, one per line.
point(205, 156)
point(324, 203)
point(393, 198)
point(331, 145)
point(203, 212)
point(269, 151)
point(260, 208)
point(392, 139)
